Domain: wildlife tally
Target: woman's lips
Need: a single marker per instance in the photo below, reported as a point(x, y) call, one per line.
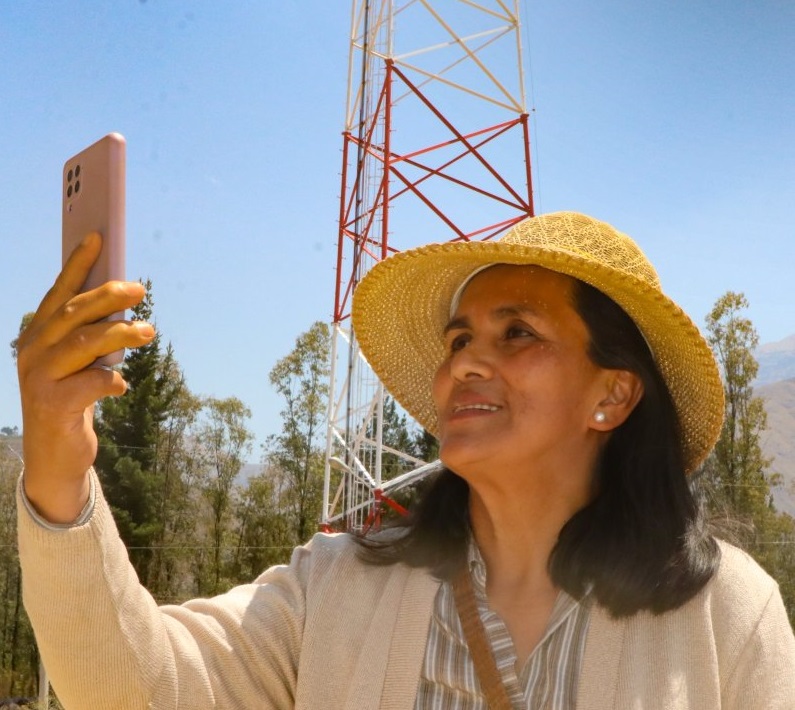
point(472, 409)
point(483, 407)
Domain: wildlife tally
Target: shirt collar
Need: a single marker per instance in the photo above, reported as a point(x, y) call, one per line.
point(565, 604)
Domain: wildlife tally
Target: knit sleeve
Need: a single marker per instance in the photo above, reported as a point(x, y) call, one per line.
point(764, 675)
point(106, 644)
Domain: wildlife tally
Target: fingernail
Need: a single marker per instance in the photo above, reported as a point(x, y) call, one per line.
point(90, 238)
point(132, 288)
point(145, 329)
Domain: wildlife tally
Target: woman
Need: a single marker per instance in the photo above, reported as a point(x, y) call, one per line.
point(558, 560)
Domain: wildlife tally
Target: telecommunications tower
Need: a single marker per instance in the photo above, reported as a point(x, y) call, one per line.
point(436, 148)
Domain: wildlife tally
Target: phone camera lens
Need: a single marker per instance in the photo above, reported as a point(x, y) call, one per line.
point(69, 191)
point(77, 171)
point(77, 186)
point(69, 176)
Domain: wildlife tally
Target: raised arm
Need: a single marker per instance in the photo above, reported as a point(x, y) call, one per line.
point(104, 641)
point(59, 389)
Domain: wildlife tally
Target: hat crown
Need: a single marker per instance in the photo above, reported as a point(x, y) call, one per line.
point(586, 238)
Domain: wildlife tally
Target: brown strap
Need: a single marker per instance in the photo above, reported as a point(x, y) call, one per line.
point(479, 647)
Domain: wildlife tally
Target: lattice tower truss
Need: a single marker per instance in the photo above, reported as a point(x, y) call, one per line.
point(436, 148)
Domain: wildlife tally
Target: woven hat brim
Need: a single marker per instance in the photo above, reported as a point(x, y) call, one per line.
point(402, 305)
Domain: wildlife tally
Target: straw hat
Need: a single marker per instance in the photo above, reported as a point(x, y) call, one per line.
point(403, 303)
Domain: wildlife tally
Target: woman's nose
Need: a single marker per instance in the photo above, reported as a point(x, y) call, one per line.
point(472, 361)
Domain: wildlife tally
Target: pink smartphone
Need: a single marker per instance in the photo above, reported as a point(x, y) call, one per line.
point(93, 201)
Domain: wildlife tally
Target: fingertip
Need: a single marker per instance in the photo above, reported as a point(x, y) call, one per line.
point(119, 387)
point(91, 239)
point(144, 329)
point(133, 289)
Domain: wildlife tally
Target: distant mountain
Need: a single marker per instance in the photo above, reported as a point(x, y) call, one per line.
point(776, 385)
point(778, 442)
point(776, 361)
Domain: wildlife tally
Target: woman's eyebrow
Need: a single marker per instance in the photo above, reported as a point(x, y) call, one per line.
point(456, 324)
point(501, 313)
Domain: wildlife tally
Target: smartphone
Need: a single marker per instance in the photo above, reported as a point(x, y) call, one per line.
point(93, 197)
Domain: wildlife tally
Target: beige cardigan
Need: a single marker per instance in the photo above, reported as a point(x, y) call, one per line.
point(329, 632)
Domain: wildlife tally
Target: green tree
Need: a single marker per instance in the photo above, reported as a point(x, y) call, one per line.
point(301, 378)
point(23, 324)
point(736, 479)
point(427, 445)
point(737, 469)
point(225, 441)
point(398, 438)
point(129, 429)
point(18, 654)
point(178, 469)
point(263, 526)
point(405, 447)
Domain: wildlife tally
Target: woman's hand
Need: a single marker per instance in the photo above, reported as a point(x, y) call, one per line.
point(59, 389)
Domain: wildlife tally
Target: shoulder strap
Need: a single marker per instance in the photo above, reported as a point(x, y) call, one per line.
point(479, 648)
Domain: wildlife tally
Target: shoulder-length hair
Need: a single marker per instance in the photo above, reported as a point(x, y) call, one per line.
point(640, 544)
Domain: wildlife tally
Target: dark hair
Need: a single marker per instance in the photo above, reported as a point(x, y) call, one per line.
point(641, 543)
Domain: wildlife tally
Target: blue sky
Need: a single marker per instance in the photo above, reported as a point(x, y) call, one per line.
point(673, 121)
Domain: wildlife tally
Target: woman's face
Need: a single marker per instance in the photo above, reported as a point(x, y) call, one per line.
point(517, 389)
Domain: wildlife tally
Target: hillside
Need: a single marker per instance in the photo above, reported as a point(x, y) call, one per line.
point(12, 443)
point(776, 385)
point(778, 442)
point(776, 361)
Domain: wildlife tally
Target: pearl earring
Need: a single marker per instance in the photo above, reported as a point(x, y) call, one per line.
point(599, 417)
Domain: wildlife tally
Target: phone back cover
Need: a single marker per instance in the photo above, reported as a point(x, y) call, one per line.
point(93, 200)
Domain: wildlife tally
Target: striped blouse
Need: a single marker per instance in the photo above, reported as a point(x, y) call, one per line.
point(548, 679)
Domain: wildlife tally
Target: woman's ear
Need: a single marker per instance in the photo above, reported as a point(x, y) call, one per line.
point(624, 391)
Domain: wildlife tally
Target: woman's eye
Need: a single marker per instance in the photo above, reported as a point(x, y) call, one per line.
point(458, 342)
point(519, 331)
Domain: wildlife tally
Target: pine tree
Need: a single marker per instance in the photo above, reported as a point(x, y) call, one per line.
point(397, 436)
point(128, 428)
point(24, 323)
